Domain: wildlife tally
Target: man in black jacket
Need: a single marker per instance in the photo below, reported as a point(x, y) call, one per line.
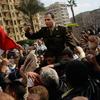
point(55, 37)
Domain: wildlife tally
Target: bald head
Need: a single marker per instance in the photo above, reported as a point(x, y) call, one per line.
point(80, 98)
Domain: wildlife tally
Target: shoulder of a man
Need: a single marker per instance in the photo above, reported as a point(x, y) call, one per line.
point(43, 28)
point(61, 27)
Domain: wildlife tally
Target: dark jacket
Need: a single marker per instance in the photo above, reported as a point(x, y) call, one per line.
point(54, 40)
point(2, 80)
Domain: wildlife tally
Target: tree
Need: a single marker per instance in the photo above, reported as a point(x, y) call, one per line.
point(70, 4)
point(30, 8)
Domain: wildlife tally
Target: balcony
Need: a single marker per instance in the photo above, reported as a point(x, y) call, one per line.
point(19, 18)
point(8, 26)
point(7, 18)
point(5, 10)
point(16, 3)
point(3, 2)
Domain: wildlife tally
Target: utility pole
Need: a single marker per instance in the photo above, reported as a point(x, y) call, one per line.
point(71, 4)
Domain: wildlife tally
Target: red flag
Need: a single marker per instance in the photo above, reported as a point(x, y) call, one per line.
point(6, 43)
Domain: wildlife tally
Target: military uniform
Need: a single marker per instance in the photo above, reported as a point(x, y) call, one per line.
point(55, 40)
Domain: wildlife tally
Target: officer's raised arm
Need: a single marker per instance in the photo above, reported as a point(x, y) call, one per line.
point(33, 35)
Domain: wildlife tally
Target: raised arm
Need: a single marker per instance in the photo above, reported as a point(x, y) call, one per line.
point(30, 35)
point(69, 39)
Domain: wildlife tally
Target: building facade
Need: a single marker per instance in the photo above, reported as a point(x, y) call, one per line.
point(36, 21)
point(89, 19)
point(14, 21)
point(11, 19)
point(95, 15)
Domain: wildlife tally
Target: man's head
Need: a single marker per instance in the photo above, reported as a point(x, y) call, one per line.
point(77, 73)
point(49, 20)
point(93, 42)
point(33, 97)
point(80, 98)
point(4, 96)
point(49, 77)
point(49, 57)
point(40, 91)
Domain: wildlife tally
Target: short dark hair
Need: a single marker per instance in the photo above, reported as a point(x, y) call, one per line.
point(49, 13)
point(48, 54)
point(98, 58)
point(77, 73)
point(68, 51)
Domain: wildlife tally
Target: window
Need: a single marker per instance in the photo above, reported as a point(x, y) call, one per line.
point(6, 22)
point(6, 7)
point(13, 14)
point(11, 6)
point(15, 22)
point(16, 29)
point(10, 0)
point(18, 37)
point(1, 22)
point(8, 30)
point(11, 30)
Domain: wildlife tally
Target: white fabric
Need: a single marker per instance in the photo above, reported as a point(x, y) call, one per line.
point(30, 82)
point(1, 52)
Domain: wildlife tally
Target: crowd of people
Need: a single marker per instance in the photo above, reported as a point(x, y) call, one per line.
point(56, 66)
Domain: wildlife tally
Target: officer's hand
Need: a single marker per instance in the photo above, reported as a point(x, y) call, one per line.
point(80, 51)
point(49, 66)
point(28, 30)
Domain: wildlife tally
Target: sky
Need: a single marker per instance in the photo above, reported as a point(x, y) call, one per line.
point(82, 5)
